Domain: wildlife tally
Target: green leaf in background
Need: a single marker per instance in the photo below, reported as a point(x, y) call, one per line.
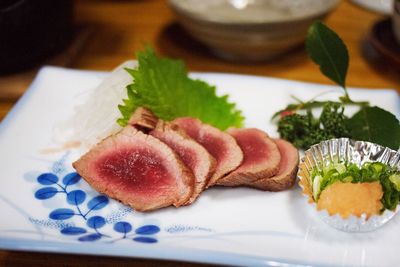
point(327, 50)
point(375, 125)
point(163, 86)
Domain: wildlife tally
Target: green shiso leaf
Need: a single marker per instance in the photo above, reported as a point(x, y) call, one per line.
point(163, 86)
point(327, 50)
point(375, 125)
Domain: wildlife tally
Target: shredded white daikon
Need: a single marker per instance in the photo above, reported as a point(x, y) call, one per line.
point(96, 118)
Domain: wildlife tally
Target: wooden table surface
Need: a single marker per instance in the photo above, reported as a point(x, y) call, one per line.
point(122, 27)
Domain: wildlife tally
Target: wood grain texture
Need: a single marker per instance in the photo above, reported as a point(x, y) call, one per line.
point(121, 27)
point(25, 259)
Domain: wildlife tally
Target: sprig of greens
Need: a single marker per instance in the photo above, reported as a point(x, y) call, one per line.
point(388, 177)
point(306, 130)
point(328, 51)
point(163, 86)
point(372, 124)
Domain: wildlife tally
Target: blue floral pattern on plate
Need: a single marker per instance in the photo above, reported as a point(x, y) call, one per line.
point(91, 225)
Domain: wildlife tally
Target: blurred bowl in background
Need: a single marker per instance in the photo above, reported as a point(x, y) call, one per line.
point(250, 30)
point(381, 6)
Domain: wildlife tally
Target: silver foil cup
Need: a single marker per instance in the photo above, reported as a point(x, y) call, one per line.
point(346, 150)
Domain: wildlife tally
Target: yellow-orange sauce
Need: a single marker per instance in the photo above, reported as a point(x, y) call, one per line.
point(348, 198)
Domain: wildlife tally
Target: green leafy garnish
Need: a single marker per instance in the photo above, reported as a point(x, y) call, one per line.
point(395, 179)
point(326, 49)
point(332, 172)
point(163, 86)
point(372, 124)
point(375, 125)
point(306, 130)
point(391, 196)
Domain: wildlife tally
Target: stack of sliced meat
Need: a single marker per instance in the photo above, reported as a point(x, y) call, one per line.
point(152, 164)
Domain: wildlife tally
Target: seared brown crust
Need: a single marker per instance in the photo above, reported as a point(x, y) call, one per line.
point(248, 172)
point(143, 119)
point(177, 196)
point(220, 145)
point(286, 176)
point(194, 155)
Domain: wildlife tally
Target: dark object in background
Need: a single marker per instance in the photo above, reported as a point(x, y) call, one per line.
point(32, 30)
point(382, 38)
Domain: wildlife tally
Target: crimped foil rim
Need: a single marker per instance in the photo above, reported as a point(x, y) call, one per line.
point(352, 151)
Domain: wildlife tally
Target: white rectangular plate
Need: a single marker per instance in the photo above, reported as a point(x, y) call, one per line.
point(235, 226)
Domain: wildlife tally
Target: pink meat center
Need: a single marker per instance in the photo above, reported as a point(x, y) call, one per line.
point(255, 150)
point(188, 156)
point(215, 146)
point(141, 171)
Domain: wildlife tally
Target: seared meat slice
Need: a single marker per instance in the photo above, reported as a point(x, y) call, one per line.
point(261, 157)
point(143, 119)
point(138, 170)
point(194, 155)
point(288, 166)
point(220, 145)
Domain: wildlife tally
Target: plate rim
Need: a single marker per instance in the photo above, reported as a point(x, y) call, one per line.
point(194, 255)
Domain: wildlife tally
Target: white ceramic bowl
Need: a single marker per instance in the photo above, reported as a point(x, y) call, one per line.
point(252, 30)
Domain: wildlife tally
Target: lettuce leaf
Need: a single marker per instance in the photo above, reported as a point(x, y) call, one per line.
point(163, 86)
